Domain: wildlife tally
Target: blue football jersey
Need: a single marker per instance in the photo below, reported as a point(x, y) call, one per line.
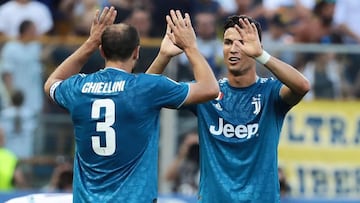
point(239, 134)
point(116, 122)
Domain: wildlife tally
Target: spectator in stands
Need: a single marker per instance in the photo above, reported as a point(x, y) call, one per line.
point(124, 8)
point(22, 71)
point(183, 172)
point(346, 21)
point(209, 45)
point(210, 6)
point(321, 18)
point(228, 6)
point(325, 74)
point(141, 19)
point(14, 12)
point(253, 9)
point(58, 17)
point(19, 125)
point(22, 67)
point(61, 178)
point(10, 176)
point(63, 16)
point(295, 9)
point(323, 70)
point(277, 34)
point(83, 16)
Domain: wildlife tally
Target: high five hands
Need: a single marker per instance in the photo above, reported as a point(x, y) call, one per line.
point(181, 32)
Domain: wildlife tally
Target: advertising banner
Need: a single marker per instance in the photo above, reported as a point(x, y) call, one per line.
point(319, 149)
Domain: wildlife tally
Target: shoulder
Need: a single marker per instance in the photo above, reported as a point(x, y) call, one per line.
point(270, 84)
point(71, 82)
point(268, 81)
point(8, 6)
point(150, 76)
point(81, 76)
point(223, 82)
point(154, 79)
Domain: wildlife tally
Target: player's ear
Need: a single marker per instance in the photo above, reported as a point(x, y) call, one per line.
point(136, 53)
point(101, 51)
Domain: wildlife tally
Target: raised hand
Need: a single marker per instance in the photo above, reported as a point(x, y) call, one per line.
point(167, 47)
point(100, 22)
point(181, 32)
point(250, 43)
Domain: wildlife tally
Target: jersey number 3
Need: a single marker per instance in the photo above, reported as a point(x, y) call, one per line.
point(104, 126)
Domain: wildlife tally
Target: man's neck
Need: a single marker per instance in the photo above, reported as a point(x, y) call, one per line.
point(126, 66)
point(242, 81)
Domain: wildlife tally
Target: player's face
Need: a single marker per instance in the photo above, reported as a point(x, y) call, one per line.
point(235, 60)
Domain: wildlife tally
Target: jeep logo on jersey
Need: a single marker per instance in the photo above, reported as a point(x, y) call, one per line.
point(239, 131)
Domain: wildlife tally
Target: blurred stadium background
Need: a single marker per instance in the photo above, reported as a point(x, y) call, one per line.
point(319, 150)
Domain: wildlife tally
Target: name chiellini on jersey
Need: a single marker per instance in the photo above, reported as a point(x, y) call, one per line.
point(103, 87)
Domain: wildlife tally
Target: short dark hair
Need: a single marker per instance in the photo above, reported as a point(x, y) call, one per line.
point(119, 41)
point(233, 20)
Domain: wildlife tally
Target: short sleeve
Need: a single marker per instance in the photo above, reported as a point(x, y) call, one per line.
point(169, 93)
point(275, 96)
point(62, 92)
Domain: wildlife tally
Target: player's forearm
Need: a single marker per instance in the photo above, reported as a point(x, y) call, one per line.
point(72, 65)
point(159, 64)
point(206, 82)
point(289, 76)
point(201, 68)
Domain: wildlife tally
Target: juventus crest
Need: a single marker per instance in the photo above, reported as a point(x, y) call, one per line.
point(256, 101)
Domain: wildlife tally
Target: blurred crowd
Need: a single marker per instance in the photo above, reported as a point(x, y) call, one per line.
point(25, 59)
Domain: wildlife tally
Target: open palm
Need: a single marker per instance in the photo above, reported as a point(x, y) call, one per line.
point(167, 47)
point(250, 45)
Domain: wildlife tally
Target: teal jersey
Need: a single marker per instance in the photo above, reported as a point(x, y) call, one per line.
point(239, 135)
point(116, 122)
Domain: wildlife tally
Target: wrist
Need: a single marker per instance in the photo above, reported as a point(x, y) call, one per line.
point(164, 55)
point(92, 44)
point(263, 58)
point(190, 48)
point(191, 51)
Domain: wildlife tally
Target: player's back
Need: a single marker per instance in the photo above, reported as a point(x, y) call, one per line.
point(116, 122)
